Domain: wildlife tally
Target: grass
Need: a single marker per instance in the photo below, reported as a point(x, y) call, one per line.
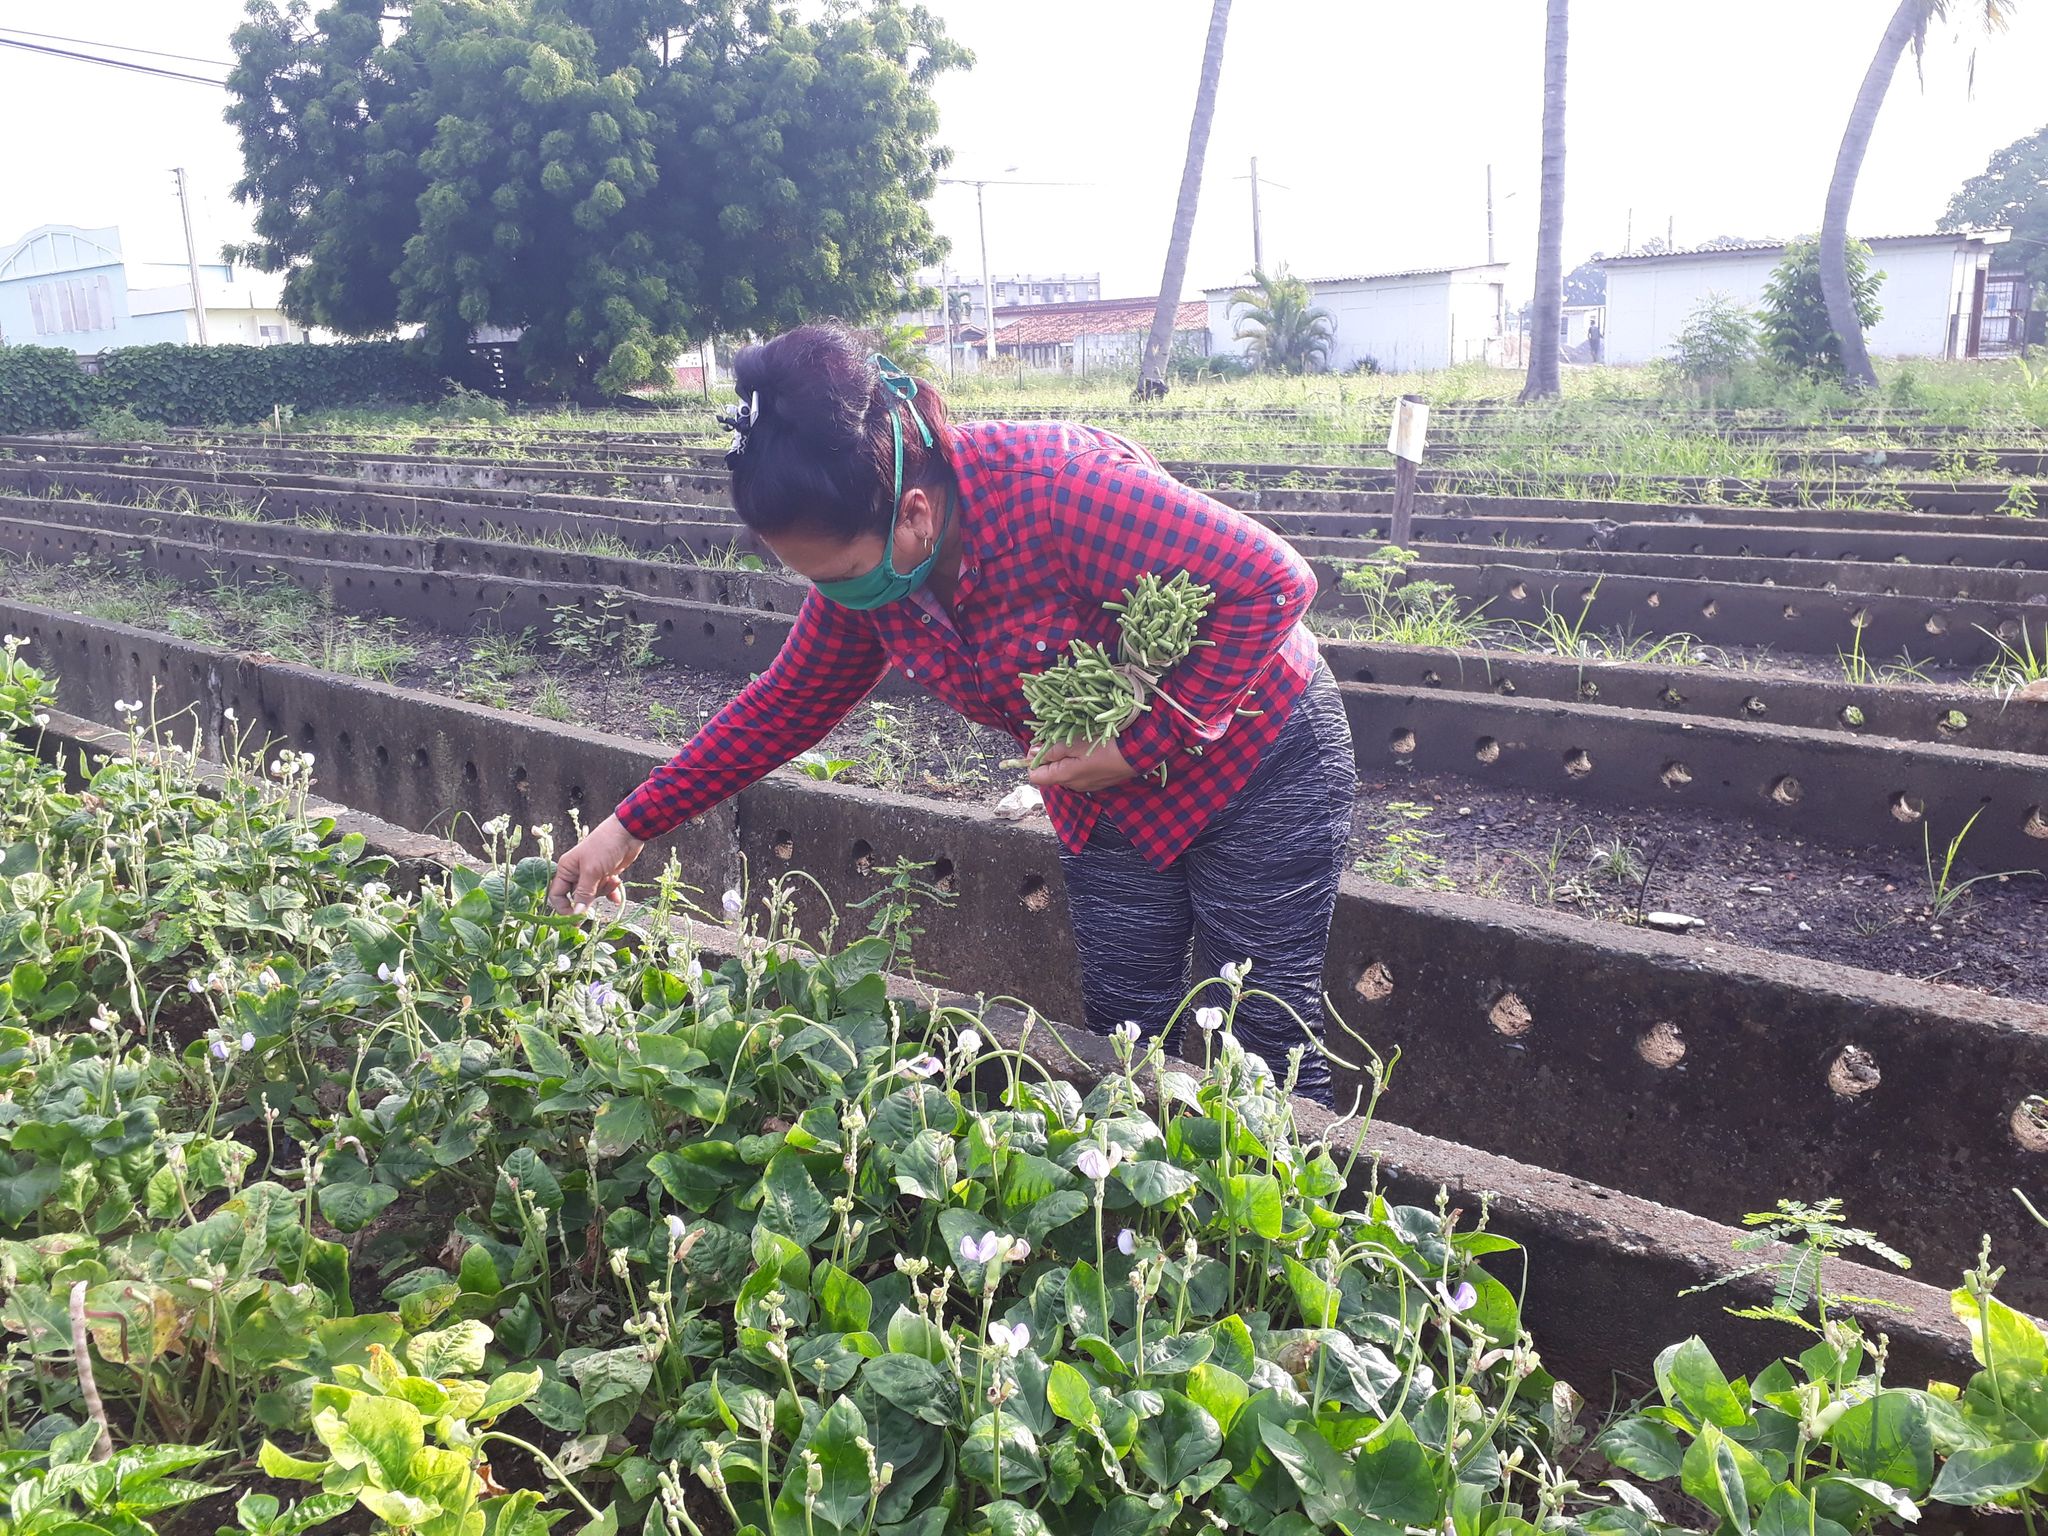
point(2016, 665)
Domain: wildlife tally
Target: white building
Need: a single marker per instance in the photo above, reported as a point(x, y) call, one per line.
point(1406, 322)
point(1932, 295)
point(63, 286)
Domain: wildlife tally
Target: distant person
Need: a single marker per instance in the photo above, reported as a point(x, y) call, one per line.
point(1593, 341)
point(968, 555)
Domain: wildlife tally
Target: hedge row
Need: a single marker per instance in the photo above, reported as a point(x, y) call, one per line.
point(44, 389)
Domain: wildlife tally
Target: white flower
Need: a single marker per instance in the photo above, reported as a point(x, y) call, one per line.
point(105, 1019)
point(981, 1250)
point(1126, 1032)
point(969, 1042)
point(1095, 1163)
point(1235, 971)
point(194, 985)
point(391, 973)
point(1127, 1242)
point(921, 1066)
point(42, 719)
point(228, 714)
point(732, 903)
point(1006, 1340)
point(678, 1228)
point(1020, 1250)
point(496, 826)
point(561, 964)
point(268, 977)
point(248, 1040)
point(693, 972)
point(1208, 1020)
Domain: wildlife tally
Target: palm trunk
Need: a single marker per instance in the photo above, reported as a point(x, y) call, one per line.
point(1159, 343)
point(1547, 312)
point(1905, 25)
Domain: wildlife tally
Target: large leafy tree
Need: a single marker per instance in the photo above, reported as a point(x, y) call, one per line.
point(2011, 194)
point(1906, 29)
point(1798, 324)
point(1279, 318)
point(615, 178)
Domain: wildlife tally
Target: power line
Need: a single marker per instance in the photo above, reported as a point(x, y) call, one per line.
point(128, 64)
point(86, 42)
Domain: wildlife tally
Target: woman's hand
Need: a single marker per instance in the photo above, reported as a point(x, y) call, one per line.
point(1083, 768)
point(592, 868)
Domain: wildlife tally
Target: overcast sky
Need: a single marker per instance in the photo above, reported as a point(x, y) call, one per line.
point(1721, 116)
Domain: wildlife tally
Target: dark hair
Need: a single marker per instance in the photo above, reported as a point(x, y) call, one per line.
point(819, 454)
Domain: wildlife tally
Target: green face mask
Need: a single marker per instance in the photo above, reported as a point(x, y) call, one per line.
point(884, 583)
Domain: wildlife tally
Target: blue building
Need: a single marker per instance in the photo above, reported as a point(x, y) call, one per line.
point(63, 286)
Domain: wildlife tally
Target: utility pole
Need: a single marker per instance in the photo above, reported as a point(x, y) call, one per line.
point(1628, 233)
point(1489, 214)
point(1258, 246)
point(1670, 224)
point(988, 289)
point(191, 253)
point(946, 318)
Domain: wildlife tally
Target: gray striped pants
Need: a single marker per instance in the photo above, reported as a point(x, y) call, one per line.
point(1259, 882)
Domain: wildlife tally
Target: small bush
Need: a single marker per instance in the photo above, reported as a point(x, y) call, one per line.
point(1719, 340)
point(121, 425)
point(1796, 331)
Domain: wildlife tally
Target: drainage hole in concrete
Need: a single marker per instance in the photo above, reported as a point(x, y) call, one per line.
point(1710, 609)
point(1432, 679)
point(1505, 687)
point(1853, 1072)
point(419, 757)
point(1670, 697)
point(1851, 716)
point(1907, 808)
point(1791, 612)
point(469, 773)
point(1363, 675)
point(2008, 629)
point(1755, 706)
point(944, 879)
point(1589, 689)
point(747, 636)
point(1937, 624)
point(1860, 618)
point(1675, 775)
point(1375, 983)
point(710, 629)
point(1578, 763)
point(863, 856)
point(1402, 742)
point(1510, 1016)
point(1954, 723)
point(1662, 1046)
point(1518, 593)
point(383, 757)
point(306, 735)
point(2036, 825)
point(1653, 601)
point(2030, 1123)
point(519, 783)
point(346, 743)
point(1786, 790)
point(1487, 750)
point(785, 844)
point(1034, 895)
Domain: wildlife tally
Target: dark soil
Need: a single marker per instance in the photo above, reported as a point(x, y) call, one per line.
point(1751, 884)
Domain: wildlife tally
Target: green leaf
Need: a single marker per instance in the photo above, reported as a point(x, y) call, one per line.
point(1023, 1469)
point(1997, 1333)
point(1318, 1471)
point(1701, 1388)
point(611, 1382)
point(1222, 1393)
point(915, 1385)
point(1976, 1476)
point(278, 1464)
point(1051, 1213)
point(1886, 1438)
point(526, 1175)
point(1175, 1441)
point(457, 1350)
point(1066, 1392)
point(910, 1334)
point(927, 1167)
point(1788, 1512)
point(1155, 1181)
point(1006, 1517)
point(620, 1126)
point(842, 1497)
point(790, 1202)
point(1642, 1446)
point(1725, 1477)
point(1395, 1480)
point(478, 1274)
point(698, 1173)
point(843, 1301)
point(1252, 1200)
point(1318, 1301)
point(352, 1207)
point(504, 1392)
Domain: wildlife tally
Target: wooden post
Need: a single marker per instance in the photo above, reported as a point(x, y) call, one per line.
point(1405, 436)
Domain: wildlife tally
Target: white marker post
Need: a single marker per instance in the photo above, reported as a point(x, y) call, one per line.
point(1405, 437)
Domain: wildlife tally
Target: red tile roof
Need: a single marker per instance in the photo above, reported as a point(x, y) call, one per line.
point(1041, 325)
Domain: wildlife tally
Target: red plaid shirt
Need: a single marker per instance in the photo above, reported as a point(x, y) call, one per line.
point(1056, 520)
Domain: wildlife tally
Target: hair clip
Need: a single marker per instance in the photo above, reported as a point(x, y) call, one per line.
point(742, 419)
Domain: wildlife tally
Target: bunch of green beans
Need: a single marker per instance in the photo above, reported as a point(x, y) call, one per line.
point(1087, 698)
point(1159, 618)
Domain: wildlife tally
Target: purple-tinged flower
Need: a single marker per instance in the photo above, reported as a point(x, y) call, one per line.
point(1007, 1340)
point(248, 1040)
point(926, 1065)
point(1127, 1032)
point(221, 1051)
point(195, 985)
point(1095, 1163)
point(732, 903)
point(1020, 1250)
point(980, 1250)
point(1464, 1298)
point(1208, 1020)
point(1127, 1242)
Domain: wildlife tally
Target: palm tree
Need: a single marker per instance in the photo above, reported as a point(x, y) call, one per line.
point(960, 306)
point(1907, 28)
point(1152, 378)
point(1288, 334)
point(1547, 313)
